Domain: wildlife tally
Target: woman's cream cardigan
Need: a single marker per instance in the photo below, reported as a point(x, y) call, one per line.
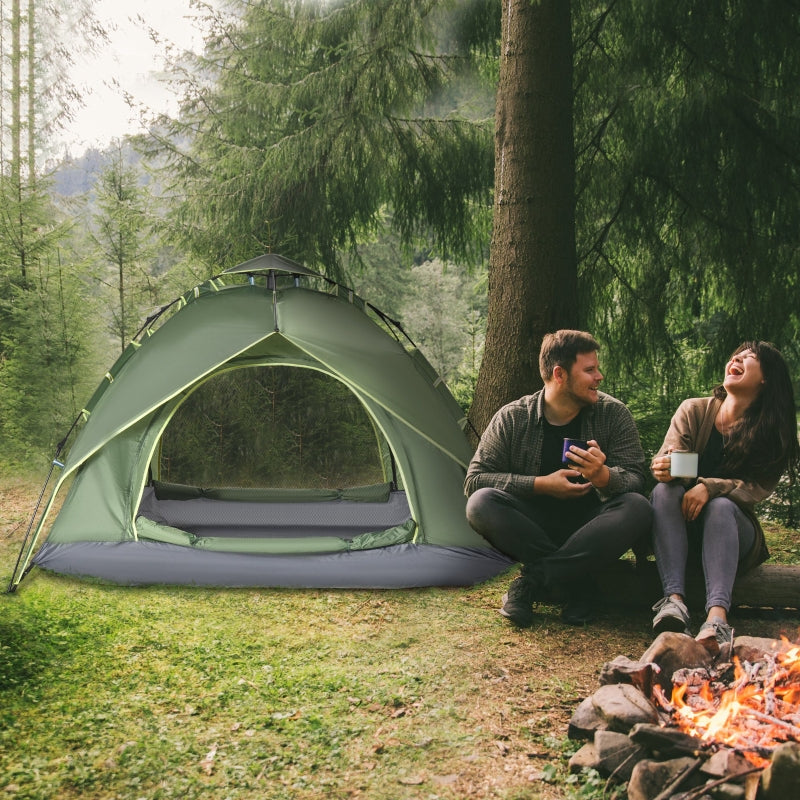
point(690, 430)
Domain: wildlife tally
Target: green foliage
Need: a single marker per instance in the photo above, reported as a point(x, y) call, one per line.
point(46, 351)
point(783, 506)
point(316, 120)
point(48, 368)
point(688, 190)
point(272, 427)
point(442, 306)
point(590, 785)
point(120, 234)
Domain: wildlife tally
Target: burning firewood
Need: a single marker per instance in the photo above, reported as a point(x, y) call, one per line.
point(716, 721)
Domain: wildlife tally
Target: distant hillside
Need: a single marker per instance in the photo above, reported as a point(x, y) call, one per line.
point(77, 176)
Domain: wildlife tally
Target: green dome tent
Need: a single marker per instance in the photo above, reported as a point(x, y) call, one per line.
point(124, 520)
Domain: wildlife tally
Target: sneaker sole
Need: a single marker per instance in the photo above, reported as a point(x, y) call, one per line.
point(519, 622)
point(523, 621)
point(673, 624)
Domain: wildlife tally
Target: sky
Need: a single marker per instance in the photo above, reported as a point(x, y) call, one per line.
point(131, 58)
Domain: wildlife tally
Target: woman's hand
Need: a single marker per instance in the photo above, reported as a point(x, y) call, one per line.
point(660, 469)
point(693, 502)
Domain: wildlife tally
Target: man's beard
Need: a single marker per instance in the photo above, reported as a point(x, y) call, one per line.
point(581, 400)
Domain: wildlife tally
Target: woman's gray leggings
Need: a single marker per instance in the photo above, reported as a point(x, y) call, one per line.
point(727, 534)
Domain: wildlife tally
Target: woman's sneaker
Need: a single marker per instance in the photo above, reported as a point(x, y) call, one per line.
point(716, 636)
point(671, 615)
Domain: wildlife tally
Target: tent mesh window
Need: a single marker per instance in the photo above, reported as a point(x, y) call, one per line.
point(273, 427)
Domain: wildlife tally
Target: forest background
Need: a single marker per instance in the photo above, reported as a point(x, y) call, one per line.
point(360, 138)
point(372, 140)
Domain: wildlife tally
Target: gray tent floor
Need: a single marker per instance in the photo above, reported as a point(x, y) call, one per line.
point(397, 567)
point(222, 518)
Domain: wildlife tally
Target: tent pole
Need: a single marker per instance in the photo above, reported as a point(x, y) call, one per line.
point(12, 585)
point(272, 282)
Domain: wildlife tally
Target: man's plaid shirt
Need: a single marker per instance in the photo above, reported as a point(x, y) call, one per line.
point(510, 450)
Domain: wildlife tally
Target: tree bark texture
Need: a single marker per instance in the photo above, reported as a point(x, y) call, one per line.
point(533, 269)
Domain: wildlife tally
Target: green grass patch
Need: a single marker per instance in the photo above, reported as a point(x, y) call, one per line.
point(110, 692)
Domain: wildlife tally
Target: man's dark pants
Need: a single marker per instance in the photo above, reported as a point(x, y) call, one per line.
point(559, 554)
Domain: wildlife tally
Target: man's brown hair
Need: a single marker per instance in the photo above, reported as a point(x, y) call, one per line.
point(561, 349)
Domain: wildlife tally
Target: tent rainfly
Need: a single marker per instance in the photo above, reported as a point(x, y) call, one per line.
point(121, 522)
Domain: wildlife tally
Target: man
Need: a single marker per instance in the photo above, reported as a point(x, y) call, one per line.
point(561, 522)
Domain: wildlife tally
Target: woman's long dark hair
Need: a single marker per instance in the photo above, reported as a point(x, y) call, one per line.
point(763, 443)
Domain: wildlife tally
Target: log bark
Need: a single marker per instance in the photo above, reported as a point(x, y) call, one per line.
point(628, 583)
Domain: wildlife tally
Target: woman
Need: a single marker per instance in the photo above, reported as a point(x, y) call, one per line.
point(746, 435)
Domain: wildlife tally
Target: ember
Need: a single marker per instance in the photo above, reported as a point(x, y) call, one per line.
point(758, 711)
point(699, 726)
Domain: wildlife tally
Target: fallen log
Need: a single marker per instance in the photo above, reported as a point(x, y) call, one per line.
point(636, 583)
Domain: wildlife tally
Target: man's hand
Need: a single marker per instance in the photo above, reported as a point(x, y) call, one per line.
point(693, 502)
point(590, 464)
point(562, 484)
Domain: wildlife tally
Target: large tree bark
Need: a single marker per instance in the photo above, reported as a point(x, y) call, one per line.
point(533, 269)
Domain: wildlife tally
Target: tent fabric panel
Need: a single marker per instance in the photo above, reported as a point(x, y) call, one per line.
point(271, 262)
point(346, 340)
point(426, 368)
point(156, 532)
point(399, 567)
point(275, 544)
point(376, 493)
point(97, 505)
point(435, 486)
point(102, 501)
point(192, 343)
point(218, 326)
point(236, 327)
point(207, 517)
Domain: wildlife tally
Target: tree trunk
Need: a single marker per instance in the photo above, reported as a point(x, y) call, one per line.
point(533, 266)
point(16, 131)
point(31, 92)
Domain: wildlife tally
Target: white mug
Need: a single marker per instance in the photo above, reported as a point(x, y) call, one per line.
point(683, 464)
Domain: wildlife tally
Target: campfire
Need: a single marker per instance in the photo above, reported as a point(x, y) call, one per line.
point(680, 724)
point(759, 710)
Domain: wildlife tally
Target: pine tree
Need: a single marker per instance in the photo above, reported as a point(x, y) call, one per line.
point(320, 121)
point(42, 314)
point(533, 263)
point(120, 233)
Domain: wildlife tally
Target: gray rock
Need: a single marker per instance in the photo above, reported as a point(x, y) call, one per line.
point(586, 719)
point(650, 778)
point(624, 670)
point(781, 779)
point(585, 758)
point(672, 651)
point(623, 706)
point(617, 754)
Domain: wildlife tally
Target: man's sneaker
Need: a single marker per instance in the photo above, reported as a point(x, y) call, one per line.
point(671, 615)
point(518, 601)
point(716, 636)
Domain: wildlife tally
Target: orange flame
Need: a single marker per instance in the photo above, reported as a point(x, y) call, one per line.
point(757, 712)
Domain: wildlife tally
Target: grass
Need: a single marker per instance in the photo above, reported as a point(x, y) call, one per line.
point(176, 692)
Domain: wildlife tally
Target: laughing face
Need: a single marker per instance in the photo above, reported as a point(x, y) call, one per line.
point(743, 373)
point(584, 379)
